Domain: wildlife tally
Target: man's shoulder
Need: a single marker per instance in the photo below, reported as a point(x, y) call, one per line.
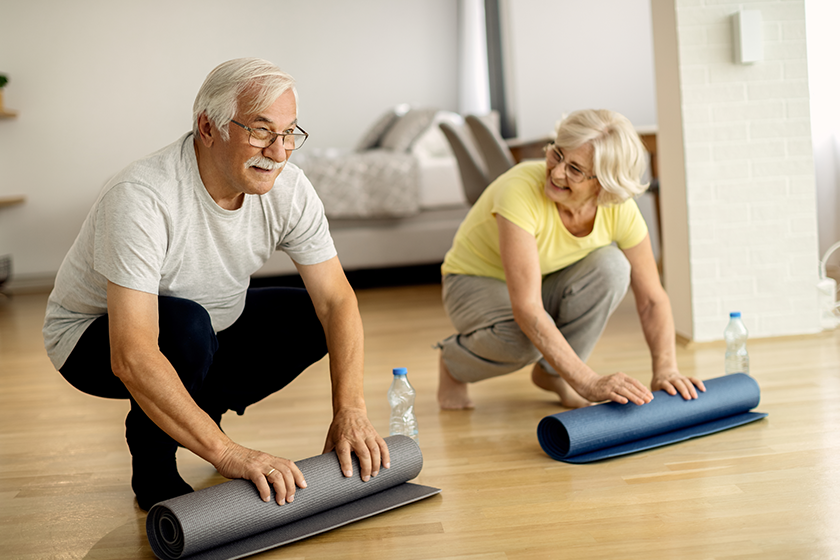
point(168, 162)
point(291, 184)
point(161, 171)
point(292, 176)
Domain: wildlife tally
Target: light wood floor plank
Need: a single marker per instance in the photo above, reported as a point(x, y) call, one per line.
point(766, 490)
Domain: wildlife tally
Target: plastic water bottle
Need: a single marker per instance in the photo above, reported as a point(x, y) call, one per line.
point(737, 359)
point(401, 398)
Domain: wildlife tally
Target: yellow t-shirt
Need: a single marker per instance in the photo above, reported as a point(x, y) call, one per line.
point(519, 196)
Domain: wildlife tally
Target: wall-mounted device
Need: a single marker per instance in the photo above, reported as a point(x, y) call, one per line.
point(747, 36)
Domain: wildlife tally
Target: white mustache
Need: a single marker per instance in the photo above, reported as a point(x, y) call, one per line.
point(264, 163)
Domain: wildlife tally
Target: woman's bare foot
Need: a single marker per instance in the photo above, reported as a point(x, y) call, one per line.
point(556, 384)
point(452, 394)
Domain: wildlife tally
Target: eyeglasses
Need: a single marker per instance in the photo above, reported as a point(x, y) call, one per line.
point(573, 174)
point(263, 138)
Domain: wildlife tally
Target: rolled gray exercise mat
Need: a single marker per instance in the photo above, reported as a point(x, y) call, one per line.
point(611, 429)
point(230, 520)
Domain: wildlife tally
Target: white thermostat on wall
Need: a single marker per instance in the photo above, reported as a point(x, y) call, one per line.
point(747, 36)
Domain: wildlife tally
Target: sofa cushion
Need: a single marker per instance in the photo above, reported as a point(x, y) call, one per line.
point(402, 134)
point(374, 134)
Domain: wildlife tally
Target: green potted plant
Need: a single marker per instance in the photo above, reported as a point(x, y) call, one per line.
point(3, 81)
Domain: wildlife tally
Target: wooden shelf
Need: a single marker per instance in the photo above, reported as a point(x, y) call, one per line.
point(531, 148)
point(12, 200)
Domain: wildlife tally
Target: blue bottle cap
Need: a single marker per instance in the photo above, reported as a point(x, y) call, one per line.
point(735, 314)
point(400, 371)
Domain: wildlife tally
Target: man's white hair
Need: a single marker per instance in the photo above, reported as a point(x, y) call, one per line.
point(253, 81)
point(619, 158)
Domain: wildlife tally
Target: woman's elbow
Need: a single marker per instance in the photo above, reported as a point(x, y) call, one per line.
point(527, 316)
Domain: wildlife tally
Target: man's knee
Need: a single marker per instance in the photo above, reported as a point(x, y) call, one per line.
point(303, 330)
point(186, 338)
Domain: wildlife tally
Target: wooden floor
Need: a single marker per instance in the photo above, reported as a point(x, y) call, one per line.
point(770, 489)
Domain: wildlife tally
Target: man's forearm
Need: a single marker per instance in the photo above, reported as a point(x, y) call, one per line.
point(345, 343)
point(156, 387)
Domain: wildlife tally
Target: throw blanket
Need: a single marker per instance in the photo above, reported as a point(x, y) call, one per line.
point(371, 184)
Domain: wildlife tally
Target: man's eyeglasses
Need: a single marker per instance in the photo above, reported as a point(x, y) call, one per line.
point(263, 138)
point(573, 174)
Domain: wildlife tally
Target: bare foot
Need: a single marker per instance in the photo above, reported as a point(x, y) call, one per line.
point(556, 384)
point(452, 394)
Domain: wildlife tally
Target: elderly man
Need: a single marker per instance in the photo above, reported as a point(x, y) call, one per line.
point(152, 301)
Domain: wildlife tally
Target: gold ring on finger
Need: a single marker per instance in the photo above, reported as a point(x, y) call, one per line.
point(269, 472)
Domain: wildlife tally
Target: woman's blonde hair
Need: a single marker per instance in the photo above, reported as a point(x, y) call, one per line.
point(226, 84)
point(619, 158)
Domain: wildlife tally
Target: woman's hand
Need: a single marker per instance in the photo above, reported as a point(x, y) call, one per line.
point(673, 382)
point(657, 320)
point(263, 470)
point(618, 387)
point(352, 431)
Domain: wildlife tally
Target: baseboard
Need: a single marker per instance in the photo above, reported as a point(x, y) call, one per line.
point(689, 344)
point(365, 278)
point(29, 284)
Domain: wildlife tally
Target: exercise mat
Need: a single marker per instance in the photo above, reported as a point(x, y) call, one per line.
point(230, 520)
point(611, 429)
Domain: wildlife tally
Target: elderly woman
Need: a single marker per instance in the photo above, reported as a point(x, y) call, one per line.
point(541, 262)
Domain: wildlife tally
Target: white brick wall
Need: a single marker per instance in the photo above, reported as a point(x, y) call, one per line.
point(749, 172)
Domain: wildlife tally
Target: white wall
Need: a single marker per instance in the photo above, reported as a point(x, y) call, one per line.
point(573, 54)
point(101, 83)
point(737, 175)
point(822, 17)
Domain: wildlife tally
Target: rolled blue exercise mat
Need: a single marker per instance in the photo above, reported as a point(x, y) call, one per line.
point(610, 429)
point(230, 520)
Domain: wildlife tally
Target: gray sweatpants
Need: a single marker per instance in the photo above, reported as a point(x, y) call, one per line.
point(579, 299)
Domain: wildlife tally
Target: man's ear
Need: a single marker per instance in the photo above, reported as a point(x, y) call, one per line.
point(207, 132)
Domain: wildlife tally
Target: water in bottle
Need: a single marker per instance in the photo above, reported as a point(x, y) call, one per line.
point(735, 334)
point(401, 398)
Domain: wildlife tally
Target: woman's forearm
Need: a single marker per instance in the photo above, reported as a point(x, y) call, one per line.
point(658, 327)
point(548, 339)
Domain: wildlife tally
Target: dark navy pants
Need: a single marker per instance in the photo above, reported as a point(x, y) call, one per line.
point(277, 336)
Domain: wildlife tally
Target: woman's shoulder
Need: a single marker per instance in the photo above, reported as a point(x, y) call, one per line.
point(622, 210)
point(625, 222)
point(523, 177)
point(519, 196)
point(530, 170)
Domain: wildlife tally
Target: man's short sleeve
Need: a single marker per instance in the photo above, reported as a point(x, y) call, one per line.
point(130, 239)
point(307, 239)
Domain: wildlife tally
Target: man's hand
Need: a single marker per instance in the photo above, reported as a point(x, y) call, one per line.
point(673, 382)
point(262, 469)
point(352, 431)
point(618, 387)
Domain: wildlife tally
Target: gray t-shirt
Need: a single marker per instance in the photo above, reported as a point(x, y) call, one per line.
point(156, 229)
